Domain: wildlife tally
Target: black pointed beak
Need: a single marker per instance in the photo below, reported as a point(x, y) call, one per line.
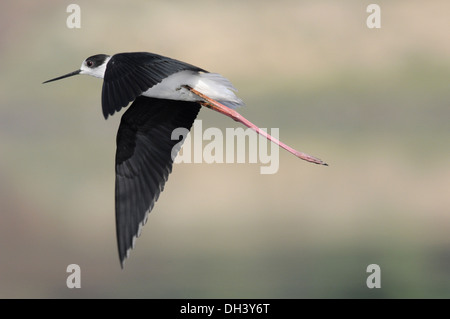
point(64, 76)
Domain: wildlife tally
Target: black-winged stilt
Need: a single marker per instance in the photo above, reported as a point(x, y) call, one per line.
point(166, 94)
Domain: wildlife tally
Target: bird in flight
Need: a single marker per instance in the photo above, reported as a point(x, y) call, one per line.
point(167, 94)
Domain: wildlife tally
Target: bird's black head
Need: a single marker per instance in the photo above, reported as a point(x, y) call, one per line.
point(96, 60)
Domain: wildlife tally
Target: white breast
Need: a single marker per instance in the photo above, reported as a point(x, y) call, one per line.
point(212, 85)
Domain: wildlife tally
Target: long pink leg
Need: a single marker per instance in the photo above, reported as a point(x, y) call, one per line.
point(216, 106)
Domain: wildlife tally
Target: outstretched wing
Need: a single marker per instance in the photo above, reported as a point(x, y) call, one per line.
point(144, 160)
point(128, 75)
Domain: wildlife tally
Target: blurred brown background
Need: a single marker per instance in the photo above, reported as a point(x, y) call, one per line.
point(373, 103)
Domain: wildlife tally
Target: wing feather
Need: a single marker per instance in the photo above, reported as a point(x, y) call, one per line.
point(144, 160)
point(128, 75)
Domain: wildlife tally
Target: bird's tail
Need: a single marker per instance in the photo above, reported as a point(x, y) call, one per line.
point(218, 88)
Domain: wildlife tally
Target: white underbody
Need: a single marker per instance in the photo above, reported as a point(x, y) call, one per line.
point(212, 85)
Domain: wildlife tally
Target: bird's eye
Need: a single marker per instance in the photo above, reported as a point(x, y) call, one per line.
point(89, 63)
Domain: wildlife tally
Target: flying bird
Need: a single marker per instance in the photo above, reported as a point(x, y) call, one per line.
point(166, 94)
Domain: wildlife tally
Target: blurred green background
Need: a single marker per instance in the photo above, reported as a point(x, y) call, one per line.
point(373, 103)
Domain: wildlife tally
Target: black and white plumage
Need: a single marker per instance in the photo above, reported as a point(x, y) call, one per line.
point(128, 75)
point(167, 94)
point(155, 85)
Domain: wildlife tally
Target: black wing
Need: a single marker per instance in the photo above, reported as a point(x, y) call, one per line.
point(144, 160)
point(128, 75)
